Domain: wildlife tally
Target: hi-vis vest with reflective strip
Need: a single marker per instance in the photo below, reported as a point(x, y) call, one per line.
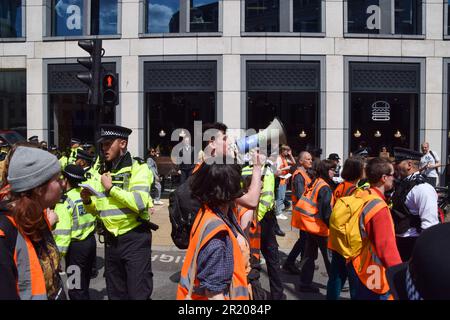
point(205, 227)
point(63, 161)
point(254, 232)
point(344, 189)
point(284, 164)
point(295, 221)
point(30, 278)
point(128, 199)
point(73, 221)
point(368, 266)
point(308, 210)
point(267, 197)
point(73, 155)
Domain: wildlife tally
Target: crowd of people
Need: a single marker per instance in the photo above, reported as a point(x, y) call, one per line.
point(52, 204)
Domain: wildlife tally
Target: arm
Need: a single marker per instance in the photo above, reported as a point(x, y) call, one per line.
point(381, 234)
point(425, 199)
point(324, 199)
point(299, 185)
point(138, 198)
point(63, 229)
point(8, 271)
point(251, 198)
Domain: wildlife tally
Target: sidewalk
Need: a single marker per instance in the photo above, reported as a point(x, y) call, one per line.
point(161, 237)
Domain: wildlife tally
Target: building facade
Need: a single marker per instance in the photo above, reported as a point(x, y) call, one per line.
point(338, 73)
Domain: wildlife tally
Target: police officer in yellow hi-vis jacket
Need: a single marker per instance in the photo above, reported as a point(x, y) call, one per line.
point(122, 204)
point(74, 233)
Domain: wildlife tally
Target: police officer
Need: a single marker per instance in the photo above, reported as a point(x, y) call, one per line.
point(85, 160)
point(123, 209)
point(74, 148)
point(74, 232)
point(414, 201)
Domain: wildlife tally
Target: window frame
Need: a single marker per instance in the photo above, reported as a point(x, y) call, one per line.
point(87, 20)
point(184, 22)
point(24, 35)
point(446, 15)
point(386, 35)
point(285, 6)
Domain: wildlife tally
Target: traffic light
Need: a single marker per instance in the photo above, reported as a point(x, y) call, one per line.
point(93, 64)
point(110, 92)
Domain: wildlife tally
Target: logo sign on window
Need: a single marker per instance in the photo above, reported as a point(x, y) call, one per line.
point(374, 20)
point(381, 111)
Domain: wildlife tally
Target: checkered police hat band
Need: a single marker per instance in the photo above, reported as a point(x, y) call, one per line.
point(74, 176)
point(112, 133)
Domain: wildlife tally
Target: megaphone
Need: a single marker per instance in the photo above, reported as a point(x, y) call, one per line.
point(273, 134)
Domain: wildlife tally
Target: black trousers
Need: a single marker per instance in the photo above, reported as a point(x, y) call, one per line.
point(405, 247)
point(298, 248)
point(128, 269)
point(81, 254)
point(269, 249)
point(313, 242)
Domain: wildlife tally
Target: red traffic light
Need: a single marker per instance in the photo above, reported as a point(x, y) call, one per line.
point(109, 81)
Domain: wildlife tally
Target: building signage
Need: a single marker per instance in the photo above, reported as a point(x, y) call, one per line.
point(374, 20)
point(381, 111)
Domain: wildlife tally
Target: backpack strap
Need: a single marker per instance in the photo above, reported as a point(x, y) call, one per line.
point(434, 158)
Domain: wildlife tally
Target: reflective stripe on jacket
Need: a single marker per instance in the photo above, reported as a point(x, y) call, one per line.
point(295, 221)
point(206, 226)
point(30, 278)
point(127, 200)
point(254, 232)
point(367, 265)
point(74, 222)
point(307, 208)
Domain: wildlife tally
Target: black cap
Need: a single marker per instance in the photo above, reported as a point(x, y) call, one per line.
point(401, 154)
point(52, 148)
point(3, 143)
point(111, 131)
point(33, 139)
point(81, 154)
point(75, 141)
point(87, 145)
point(426, 275)
point(74, 172)
point(333, 156)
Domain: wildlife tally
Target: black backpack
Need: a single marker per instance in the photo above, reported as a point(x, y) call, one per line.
point(183, 208)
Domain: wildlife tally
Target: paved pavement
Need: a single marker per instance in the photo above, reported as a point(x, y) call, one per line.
point(167, 260)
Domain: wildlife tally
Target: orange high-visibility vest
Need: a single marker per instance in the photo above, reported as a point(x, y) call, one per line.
point(307, 209)
point(205, 227)
point(368, 266)
point(343, 189)
point(295, 221)
point(284, 163)
point(30, 277)
point(254, 232)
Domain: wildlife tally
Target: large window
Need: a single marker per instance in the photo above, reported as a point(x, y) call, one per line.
point(181, 16)
point(384, 17)
point(13, 109)
point(283, 16)
point(84, 17)
point(446, 20)
point(11, 15)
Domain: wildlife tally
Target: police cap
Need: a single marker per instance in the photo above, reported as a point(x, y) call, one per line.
point(34, 139)
point(75, 141)
point(401, 154)
point(81, 154)
point(74, 172)
point(111, 131)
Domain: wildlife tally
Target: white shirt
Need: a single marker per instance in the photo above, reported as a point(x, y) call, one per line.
point(428, 158)
point(421, 201)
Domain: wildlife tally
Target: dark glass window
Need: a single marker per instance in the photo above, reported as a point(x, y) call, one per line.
point(376, 16)
point(307, 15)
point(384, 119)
point(13, 108)
point(262, 16)
point(298, 111)
point(70, 116)
point(11, 18)
point(448, 17)
point(163, 16)
point(69, 17)
point(204, 16)
point(104, 17)
point(168, 111)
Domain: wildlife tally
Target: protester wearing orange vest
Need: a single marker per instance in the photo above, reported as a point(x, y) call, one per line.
point(29, 257)
point(315, 210)
point(379, 249)
point(300, 180)
point(352, 172)
point(214, 266)
point(285, 161)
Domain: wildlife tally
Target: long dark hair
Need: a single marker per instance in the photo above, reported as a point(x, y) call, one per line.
point(320, 170)
point(217, 184)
